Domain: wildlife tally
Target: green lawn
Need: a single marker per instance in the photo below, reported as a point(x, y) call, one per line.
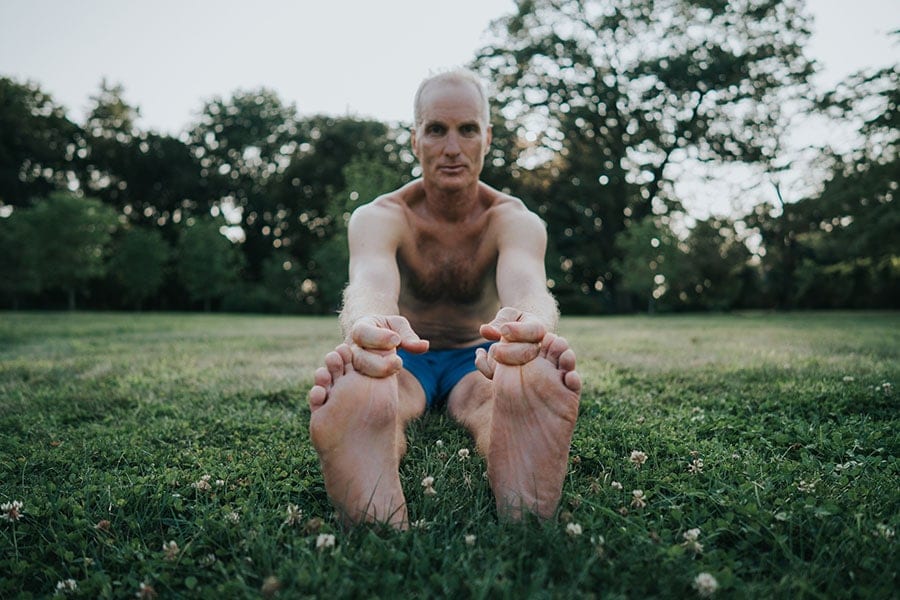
point(777, 436)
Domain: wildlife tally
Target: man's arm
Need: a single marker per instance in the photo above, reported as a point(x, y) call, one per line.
point(369, 318)
point(528, 310)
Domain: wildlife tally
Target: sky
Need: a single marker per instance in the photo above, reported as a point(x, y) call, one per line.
point(362, 58)
point(337, 57)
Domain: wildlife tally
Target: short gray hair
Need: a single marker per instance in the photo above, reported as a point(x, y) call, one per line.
point(457, 75)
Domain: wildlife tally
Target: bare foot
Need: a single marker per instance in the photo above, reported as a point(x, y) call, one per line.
point(355, 428)
point(535, 408)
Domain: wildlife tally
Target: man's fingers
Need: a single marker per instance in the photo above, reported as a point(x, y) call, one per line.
point(491, 331)
point(515, 353)
point(484, 363)
point(530, 330)
point(373, 337)
point(409, 339)
point(375, 363)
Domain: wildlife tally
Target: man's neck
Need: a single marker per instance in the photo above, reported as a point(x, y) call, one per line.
point(452, 205)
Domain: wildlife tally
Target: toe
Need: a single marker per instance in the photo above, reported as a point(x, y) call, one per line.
point(323, 377)
point(557, 346)
point(317, 397)
point(566, 360)
point(335, 365)
point(573, 381)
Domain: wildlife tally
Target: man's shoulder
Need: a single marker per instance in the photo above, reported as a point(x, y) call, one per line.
point(508, 207)
point(385, 216)
point(393, 202)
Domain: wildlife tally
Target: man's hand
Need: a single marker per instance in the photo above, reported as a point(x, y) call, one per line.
point(374, 341)
point(518, 335)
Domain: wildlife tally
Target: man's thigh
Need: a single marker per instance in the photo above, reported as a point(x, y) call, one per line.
point(471, 401)
point(411, 396)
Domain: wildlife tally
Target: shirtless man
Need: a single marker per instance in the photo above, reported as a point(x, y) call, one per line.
point(447, 302)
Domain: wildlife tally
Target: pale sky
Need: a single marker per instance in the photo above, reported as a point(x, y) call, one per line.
point(335, 57)
point(359, 57)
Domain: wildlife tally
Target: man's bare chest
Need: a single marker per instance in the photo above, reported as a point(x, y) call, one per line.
point(458, 270)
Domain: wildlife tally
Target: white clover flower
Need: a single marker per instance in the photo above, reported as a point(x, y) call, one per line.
point(11, 511)
point(883, 531)
point(203, 484)
point(638, 499)
point(419, 524)
point(463, 453)
point(638, 458)
point(145, 592)
point(439, 443)
point(696, 466)
point(691, 542)
point(66, 586)
point(170, 550)
point(616, 486)
point(573, 529)
point(705, 584)
point(220, 482)
point(849, 379)
point(324, 540)
point(294, 515)
point(428, 484)
point(807, 487)
point(233, 517)
point(470, 539)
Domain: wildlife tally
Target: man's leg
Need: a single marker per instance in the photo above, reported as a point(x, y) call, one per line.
point(357, 427)
point(522, 420)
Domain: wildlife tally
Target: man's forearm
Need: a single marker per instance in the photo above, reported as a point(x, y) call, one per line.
point(360, 303)
point(543, 306)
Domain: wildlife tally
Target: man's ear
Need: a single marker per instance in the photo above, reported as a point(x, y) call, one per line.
point(414, 141)
point(490, 137)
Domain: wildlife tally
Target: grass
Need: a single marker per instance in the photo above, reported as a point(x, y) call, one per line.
point(110, 422)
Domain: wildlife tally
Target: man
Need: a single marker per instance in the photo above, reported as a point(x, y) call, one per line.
point(447, 303)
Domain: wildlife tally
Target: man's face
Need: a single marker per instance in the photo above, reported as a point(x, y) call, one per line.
point(451, 141)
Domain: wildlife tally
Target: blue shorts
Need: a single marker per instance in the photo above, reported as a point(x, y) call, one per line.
point(438, 371)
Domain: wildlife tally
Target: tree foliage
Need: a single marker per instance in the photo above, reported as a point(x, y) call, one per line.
point(608, 96)
point(138, 263)
point(37, 143)
point(208, 263)
point(601, 110)
point(68, 241)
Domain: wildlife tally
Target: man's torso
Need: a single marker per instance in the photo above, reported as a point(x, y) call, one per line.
point(448, 269)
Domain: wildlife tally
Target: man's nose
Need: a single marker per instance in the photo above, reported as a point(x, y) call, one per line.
point(452, 145)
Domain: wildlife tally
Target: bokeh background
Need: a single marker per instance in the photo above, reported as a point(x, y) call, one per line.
point(686, 155)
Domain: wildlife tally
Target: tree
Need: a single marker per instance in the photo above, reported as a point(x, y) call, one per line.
point(712, 270)
point(138, 263)
point(37, 144)
point(365, 180)
point(838, 247)
point(208, 263)
point(243, 143)
point(18, 269)
point(609, 96)
point(648, 249)
point(151, 179)
point(70, 236)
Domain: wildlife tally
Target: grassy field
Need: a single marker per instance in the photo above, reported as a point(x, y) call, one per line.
point(168, 456)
